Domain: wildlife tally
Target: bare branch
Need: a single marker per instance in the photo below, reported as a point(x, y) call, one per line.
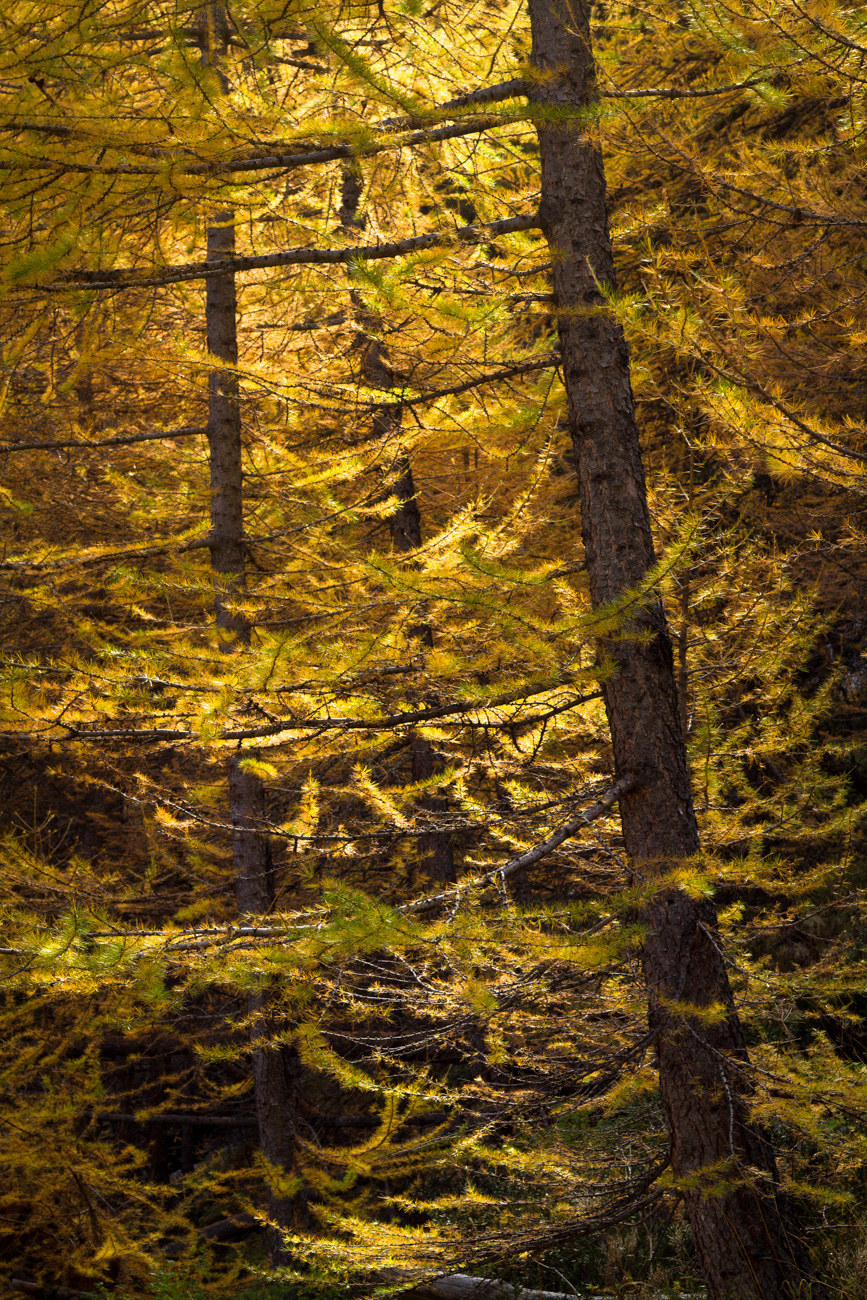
point(123, 440)
point(281, 162)
point(564, 832)
point(511, 89)
point(387, 723)
point(129, 277)
point(678, 92)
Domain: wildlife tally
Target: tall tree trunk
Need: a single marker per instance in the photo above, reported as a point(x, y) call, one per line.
point(435, 848)
point(224, 434)
point(743, 1229)
point(275, 1070)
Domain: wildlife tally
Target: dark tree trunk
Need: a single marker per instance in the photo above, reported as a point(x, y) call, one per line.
point(405, 523)
point(224, 429)
point(274, 1070)
point(435, 848)
point(743, 1229)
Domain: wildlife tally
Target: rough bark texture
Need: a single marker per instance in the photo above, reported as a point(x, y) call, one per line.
point(224, 428)
point(274, 1070)
point(740, 1223)
point(405, 523)
point(434, 849)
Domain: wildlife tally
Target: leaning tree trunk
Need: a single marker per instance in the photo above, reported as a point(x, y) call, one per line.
point(743, 1229)
point(274, 1069)
point(434, 847)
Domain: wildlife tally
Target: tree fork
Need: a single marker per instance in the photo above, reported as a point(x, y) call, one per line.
point(745, 1232)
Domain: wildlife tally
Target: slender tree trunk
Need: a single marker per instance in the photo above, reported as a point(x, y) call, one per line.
point(743, 1230)
point(224, 433)
point(434, 849)
point(275, 1070)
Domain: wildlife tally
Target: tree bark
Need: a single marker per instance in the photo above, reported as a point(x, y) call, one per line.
point(434, 849)
point(744, 1231)
point(275, 1070)
point(224, 432)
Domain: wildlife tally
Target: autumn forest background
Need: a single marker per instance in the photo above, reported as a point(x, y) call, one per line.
point(434, 653)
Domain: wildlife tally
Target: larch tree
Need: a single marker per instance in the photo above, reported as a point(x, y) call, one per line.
point(315, 237)
point(745, 1233)
point(274, 1069)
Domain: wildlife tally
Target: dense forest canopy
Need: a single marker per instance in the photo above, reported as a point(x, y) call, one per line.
point(434, 662)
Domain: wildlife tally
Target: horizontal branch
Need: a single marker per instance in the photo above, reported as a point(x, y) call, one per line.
point(396, 397)
point(24, 567)
point(193, 1120)
point(122, 440)
point(516, 87)
point(753, 385)
point(333, 153)
point(250, 1121)
point(199, 938)
point(797, 215)
point(678, 92)
point(129, 277)
point(390, 721)
point(511, 89)
point(281, 162)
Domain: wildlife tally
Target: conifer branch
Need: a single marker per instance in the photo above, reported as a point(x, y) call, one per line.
point(493, 377)
point(510, 89)
point(799, 215)
point(122, 440)
point(539, 851)
point(128, 440)
point(321, 838)
point(197, 1120)
point(129, 278)
point(194, 1120)
point(391, 721)
point(759, 390)
point(518, 86)
point(283, 162)
point(109, 557)
point(679, 92)
point(396, 396)
point(199, 938)
point(636, 1195)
